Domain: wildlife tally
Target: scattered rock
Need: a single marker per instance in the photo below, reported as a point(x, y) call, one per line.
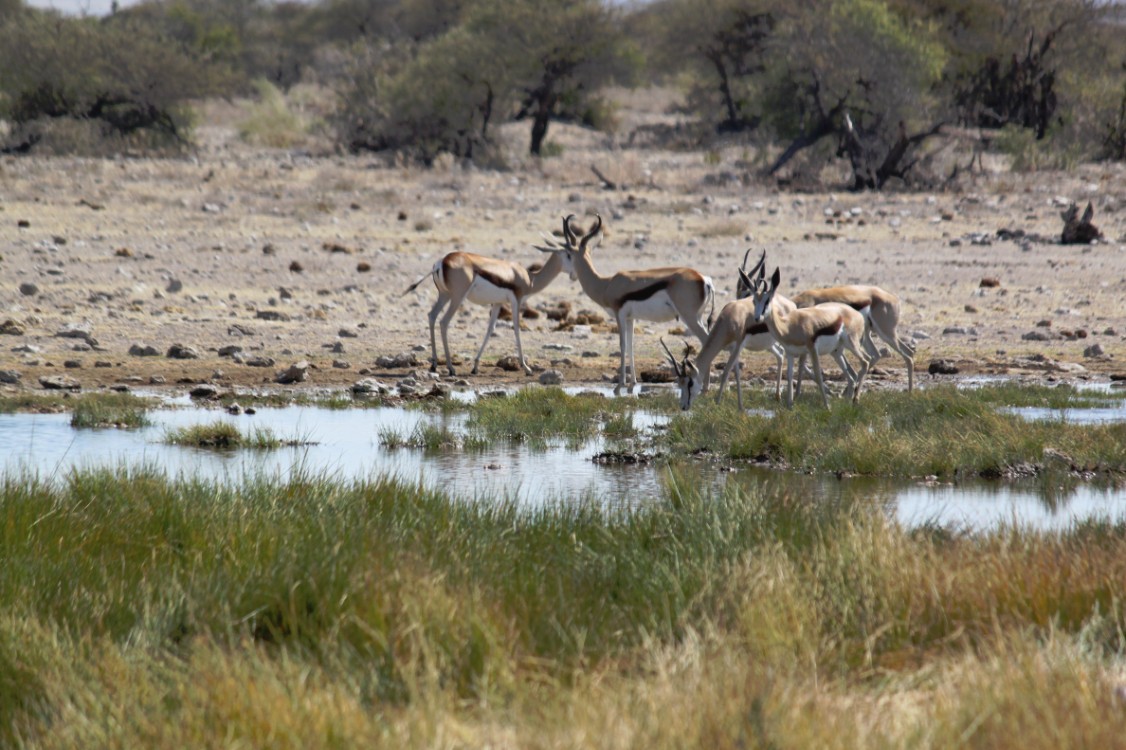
point(260, 362)
point(237, 329)
point(1036, 336)
point(230, 350)
point(296, 267)
point(137, 350)
point(407, 359)
point(295, 373)
point(368, 387)
point(275, 315)
point(509, 363)
point(181, 351)
point(59, 383)
point(72, 364)
point(942, 367)
point(341, 364)
point(175, 285)
point(204, 391)
point(269, 249)
point(551, 377)
point(123, 252)
point(28, 289)
point(1094, 350)
point(74, 331)
point(958, 331)
point(989, 282)
point(346, 333)
point(10, 377)
point(11, 328)
point(363, 267)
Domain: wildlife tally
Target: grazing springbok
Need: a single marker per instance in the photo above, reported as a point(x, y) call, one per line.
point(483, 281)
point(829, 328)
point(734, 329)
point(880, 309)
point(656, 294)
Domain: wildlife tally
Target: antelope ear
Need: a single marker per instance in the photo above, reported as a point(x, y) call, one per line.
point(776, 278)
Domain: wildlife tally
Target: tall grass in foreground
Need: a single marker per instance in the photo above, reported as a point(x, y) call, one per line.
point(941, 431)
point(136, 610)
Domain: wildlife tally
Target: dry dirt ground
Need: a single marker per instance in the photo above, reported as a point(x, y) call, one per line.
point(193, 251)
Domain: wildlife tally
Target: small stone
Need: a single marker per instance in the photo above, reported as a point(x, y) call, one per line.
point(363, 267)
point(28, 289)
point(72, 364)
point(137, 350)
point(989, 282)
point(180, 351)
point(551, 377)
point(275, 315)
point(175, 285)
point(229, 350)
point(59, 383)
point(368, 386)
point(509, 363)
point(296, 267)
point(260, 362)
point(295, 373)
point(204, 391)
point(1035, 336)
point(10, 377)
point(1094, 350)
point(346, 333)
point(11, 328)
point(942, 367)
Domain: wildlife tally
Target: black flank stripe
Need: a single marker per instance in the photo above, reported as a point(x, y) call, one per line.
point(646, 293)
point(495, 280)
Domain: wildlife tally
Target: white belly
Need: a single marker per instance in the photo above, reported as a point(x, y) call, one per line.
point(481, 292)
point(758, 342)
point(657, 308)
point(823, 345)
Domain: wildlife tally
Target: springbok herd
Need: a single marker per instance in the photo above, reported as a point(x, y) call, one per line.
point(808, 325)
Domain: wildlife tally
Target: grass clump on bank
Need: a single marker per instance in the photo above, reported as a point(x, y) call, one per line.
point(224, 435)
point(110, 410)
point(935, 431)
point(142, 611)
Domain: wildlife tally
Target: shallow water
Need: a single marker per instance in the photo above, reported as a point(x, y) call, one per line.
point(345, 444)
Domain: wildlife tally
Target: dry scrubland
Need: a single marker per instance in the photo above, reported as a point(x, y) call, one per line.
point(157, 252)
point(141, 611)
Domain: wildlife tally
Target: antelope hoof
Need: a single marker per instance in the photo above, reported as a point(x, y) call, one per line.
point(433, 365)
point(474, 370)
point(451, 371)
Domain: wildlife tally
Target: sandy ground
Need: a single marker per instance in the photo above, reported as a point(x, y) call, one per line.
point(139, 252)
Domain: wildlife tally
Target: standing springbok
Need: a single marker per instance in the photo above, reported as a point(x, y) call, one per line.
point(484, 281)
point(880, 309)
point(828, 328)
point(656, 294)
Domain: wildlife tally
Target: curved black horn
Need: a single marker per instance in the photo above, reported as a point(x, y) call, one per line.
point(593, 231)
point(568, 233)
point(676, 368)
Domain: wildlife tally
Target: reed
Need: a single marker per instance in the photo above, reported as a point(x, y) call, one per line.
point(142, 610)
point(110, 410)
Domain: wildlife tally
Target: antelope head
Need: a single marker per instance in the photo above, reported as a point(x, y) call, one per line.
point(744, 289)
point(687, 376)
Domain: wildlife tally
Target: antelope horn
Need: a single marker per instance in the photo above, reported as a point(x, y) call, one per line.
point(676, 366)
point(593, 231)
point(568, 233)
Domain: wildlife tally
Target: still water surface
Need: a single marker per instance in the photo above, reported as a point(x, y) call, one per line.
point(345, 444)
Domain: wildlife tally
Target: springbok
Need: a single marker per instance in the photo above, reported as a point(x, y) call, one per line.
point(656, 294)
point(880, 309)
point(484, 281)
point(828, 328)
